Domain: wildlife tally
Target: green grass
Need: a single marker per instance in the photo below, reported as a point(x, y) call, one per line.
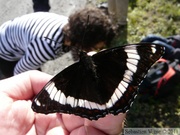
point(160, 17)
point(152, 112)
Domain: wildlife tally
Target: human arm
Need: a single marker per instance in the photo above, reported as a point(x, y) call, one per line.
point(38, 52)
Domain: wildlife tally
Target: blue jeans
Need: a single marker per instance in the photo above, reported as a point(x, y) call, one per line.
point(169, 50)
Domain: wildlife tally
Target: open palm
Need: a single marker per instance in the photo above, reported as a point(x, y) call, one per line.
point(17, 117)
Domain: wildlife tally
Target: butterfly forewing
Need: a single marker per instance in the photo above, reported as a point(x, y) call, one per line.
point(109, 88)
point(122, 70)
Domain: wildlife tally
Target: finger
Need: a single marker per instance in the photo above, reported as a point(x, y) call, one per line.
point(52, 124)
point(72, 121)
point(25, 85)
point(86, 130)
point(110, 124)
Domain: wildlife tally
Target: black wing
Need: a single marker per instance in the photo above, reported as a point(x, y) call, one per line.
point(110, 88)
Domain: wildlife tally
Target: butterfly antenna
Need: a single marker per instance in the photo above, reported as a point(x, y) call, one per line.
point(85, 30)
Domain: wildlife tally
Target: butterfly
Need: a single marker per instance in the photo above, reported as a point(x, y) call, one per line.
point(104, 83)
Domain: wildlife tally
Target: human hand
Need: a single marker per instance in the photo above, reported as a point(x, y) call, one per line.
point(17, 117)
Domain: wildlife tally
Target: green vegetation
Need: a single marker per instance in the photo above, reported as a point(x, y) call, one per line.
point(152, 112)
point(161, 17)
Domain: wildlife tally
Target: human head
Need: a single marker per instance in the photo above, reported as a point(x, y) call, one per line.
point(88, 27)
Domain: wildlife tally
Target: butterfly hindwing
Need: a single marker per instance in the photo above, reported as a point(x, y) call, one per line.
point(70, 92)
point(108, 88)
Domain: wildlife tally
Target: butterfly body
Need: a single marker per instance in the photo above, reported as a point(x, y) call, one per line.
point(88, 64)
point(97, 85)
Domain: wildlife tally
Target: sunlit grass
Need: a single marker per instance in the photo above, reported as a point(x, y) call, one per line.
point(153, 16)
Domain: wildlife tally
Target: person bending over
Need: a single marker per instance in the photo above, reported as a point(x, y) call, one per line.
point(33, 39)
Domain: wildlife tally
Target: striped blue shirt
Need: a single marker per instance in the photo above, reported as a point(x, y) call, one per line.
point(26, 39)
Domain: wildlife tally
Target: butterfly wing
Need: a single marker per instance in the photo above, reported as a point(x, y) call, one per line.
point(119, 71)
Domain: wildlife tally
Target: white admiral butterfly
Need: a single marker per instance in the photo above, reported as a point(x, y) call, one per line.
point(105, 83)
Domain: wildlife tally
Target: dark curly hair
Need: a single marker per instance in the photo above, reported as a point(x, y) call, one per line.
point(89, 26)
